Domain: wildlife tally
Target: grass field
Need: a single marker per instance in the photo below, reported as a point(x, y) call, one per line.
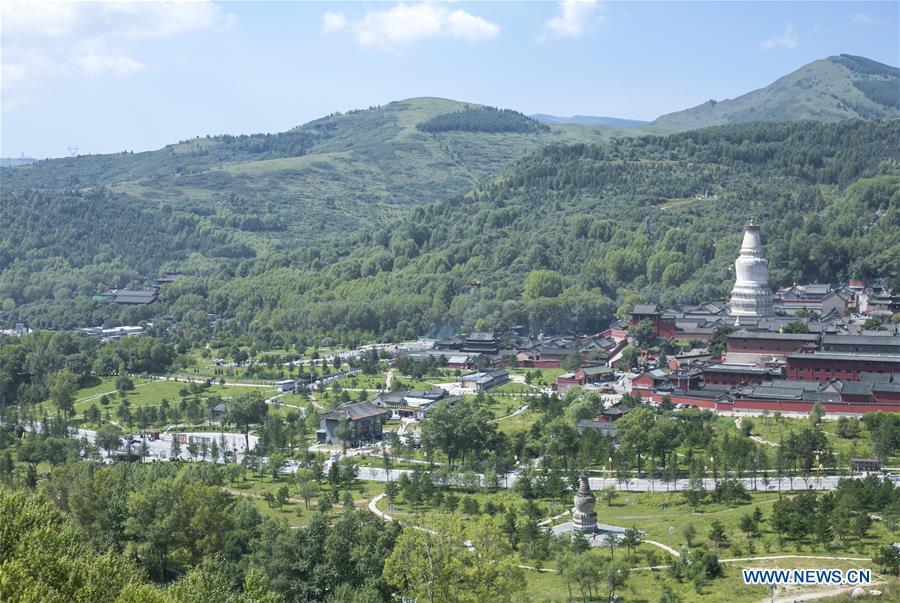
point(774, 431)
point(647, 586)
point(540, 377)
point(515, 388)
point(254, 487)
point(654, 514)
point(146, 392)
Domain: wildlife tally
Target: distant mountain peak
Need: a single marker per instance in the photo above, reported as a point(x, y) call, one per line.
point(831, 89)
point(587, 120)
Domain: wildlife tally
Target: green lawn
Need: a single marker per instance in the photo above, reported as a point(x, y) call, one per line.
point(146, 392)
point(545, 376)
point(254, 487)
point(504, 405)
point(514, 388)
point(654, 514)
point(647, 586)
point(372, 383)
point(521, 422)
point(773, 431)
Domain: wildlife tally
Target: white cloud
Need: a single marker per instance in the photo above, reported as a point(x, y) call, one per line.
point(98, 64)
point(786, 39)
point(144, 20)
point(333, 21)
point(42, 40)
point(405, 23)
point(867, 19)
point(574, 18)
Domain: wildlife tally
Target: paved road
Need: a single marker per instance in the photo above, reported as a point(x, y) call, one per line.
point(377, 474)
point(658, 485)
point(161, 449)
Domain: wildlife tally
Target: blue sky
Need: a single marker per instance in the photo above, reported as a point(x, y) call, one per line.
point(114, 76)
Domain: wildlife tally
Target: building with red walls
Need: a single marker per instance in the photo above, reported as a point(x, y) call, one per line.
point(828, 366)
point(753, 347)
point(735, 374)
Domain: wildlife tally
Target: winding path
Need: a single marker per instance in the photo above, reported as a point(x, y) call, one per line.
point(737, 422)
point(514, 413)
point(667, 549)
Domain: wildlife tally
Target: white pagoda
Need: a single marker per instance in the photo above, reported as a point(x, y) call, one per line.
point(584, 518)
point(751, 295)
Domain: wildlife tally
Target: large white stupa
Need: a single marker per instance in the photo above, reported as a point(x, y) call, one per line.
point(751, 295)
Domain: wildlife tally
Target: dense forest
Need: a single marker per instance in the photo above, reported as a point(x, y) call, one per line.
point(482, 119)
point(557, 242)
point(880, 91)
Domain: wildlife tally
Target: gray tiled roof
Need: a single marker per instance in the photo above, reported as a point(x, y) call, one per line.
point(744, 334)
point(135, 296)
point(853, 356)
point(859, 388)
point(354, 412)
point(644, 309)
point(886, 387)
point(481, 336)
point(882, 340)
point(777, 392)
point(736, 368)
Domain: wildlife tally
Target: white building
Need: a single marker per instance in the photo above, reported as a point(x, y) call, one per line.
point(751, 295)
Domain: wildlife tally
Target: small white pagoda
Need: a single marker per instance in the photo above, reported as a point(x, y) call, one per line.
point(584, 518)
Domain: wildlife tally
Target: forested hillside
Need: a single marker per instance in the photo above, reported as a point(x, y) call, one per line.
point(482, 119)
point(561, 239)
point(832, 89)
point(332, 175)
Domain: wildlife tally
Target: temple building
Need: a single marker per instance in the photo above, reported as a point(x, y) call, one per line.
point(751, 295)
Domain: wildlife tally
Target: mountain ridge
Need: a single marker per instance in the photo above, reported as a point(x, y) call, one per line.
point(588, 120)
point(824, 90)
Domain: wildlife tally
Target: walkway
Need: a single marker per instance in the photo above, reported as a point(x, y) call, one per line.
point(514, 413)
point(101, 394)
point(737, 422)
point(373, 507)
point(825, 593)
point(667, 549)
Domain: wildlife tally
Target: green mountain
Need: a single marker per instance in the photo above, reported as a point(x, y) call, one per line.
point(832, 89)
point(556, 242)
point(588, 120)
point(566, 235)
point(376, 221)
point(332, 175)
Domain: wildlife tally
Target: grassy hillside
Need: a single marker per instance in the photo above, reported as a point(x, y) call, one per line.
point(332, 175)
point(563, 237)
point(832, 89)
point(588, 120)
point(290, 230)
